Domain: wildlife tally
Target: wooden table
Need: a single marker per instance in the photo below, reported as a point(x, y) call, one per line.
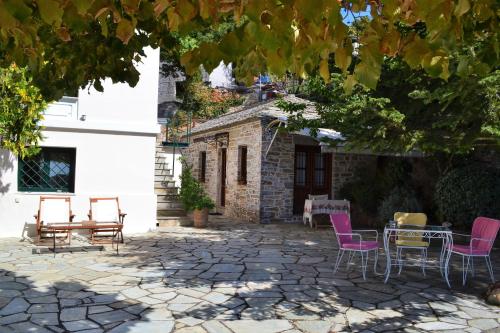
point(114, 227)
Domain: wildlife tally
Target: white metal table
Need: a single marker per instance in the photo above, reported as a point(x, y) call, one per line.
point(427, 232)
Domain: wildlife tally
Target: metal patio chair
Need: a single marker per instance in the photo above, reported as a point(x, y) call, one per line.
point(482, 237)
point(352, 241)
point(408, 240)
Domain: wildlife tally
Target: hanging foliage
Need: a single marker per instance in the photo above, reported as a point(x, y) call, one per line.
point(69, 43)
point(408, 111)
point(21, 107)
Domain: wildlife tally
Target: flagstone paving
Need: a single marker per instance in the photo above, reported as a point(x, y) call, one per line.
point(229, 278)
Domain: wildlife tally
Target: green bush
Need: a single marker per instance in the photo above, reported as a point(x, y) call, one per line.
point(363, 193)
point(371, 185)
point(467, 192)
point(400, 199)
point(192, 194)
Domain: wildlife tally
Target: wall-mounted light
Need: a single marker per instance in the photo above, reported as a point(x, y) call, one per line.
point(83, 117)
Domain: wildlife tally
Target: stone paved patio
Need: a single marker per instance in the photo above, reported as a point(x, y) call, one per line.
point(230, 277)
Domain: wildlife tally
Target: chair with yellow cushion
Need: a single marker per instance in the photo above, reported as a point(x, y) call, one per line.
point(411, 240)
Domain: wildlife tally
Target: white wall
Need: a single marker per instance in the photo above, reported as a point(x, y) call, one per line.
point(173, 162)
point(120, 102)
point(222, 76)
point(115, 154)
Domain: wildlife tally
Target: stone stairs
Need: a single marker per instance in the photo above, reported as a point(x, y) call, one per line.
point(169, 211)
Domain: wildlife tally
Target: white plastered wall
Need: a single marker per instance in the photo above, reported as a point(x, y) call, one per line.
point(115, 154)
point(106, 165)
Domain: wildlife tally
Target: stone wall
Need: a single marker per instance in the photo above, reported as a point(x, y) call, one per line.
point(167, 90)
point(242, 200)
point(344, 166)
point(268, 195)
point(278, 174)
point(276, 197)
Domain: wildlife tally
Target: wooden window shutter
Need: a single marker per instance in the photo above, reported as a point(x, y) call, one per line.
point(203, 166)
point(242, 164)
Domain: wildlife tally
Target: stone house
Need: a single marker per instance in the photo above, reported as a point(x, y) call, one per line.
point(257, 173)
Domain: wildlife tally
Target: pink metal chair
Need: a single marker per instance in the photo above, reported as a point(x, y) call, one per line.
point(482, 237)
point(353, 241)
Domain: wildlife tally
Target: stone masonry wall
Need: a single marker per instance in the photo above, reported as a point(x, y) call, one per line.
point(242, 201)
point(276, 198)
point(278, 174)
point(344, 166)
point(268, 195)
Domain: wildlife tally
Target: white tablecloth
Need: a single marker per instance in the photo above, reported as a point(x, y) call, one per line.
point(314, 207)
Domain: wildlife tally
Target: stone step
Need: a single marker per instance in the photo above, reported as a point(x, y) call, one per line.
point(167, 190)
point(164, 178)
point(167, 183)
point(172, 205)
point(167, 198)
point(159, 160)
point(170, 212)
point(162, 155)
point(163, 172)
point(179, 221)
point(162, 167)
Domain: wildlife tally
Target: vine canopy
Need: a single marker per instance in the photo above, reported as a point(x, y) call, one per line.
point(70, 43)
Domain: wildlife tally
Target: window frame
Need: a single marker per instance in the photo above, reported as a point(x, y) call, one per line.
point(45, 154)
point(319, 169)
point(242, 164)
point(202, 175)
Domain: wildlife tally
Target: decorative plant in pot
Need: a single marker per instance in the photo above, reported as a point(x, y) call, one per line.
point(193, 197)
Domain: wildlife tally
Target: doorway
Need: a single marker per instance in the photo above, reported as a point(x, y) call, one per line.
point(222, 180)
point(312, 175)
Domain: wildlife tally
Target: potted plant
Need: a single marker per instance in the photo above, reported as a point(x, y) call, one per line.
point(193, 197)
point(200, 212)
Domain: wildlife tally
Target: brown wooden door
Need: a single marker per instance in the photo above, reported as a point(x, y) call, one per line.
point(223, 159)
point(313, 175)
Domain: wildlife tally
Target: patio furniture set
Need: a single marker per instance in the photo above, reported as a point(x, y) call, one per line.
point(411, 231)
point(408, 231)
point(55, 218)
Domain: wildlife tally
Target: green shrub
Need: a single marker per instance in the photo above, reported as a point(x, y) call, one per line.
point(362, 193)
point(192, 194)
point(371, 185)
point(400, 199)
point(467, 192)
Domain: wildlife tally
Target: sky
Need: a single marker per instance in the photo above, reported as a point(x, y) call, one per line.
point(349, 17)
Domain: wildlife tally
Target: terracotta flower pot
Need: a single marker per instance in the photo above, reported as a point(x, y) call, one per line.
point(200, 217)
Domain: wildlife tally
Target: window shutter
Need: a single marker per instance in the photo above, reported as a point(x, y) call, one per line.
point(242, 164)
point(203, 166)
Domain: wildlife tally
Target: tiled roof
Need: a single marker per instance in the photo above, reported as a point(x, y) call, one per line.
point(260, 110)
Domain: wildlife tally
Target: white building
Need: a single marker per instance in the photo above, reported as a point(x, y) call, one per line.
point(98, 144)
point(222, 76)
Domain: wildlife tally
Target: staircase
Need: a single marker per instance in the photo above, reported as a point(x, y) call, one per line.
point(169, 211)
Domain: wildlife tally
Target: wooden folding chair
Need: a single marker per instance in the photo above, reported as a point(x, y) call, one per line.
point(105, 210)
point(53, 209)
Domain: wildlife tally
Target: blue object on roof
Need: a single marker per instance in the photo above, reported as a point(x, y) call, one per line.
point(264, 79)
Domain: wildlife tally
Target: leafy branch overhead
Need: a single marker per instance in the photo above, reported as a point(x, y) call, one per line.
point(73, 42)
point(21, 107)
point(407, 111)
